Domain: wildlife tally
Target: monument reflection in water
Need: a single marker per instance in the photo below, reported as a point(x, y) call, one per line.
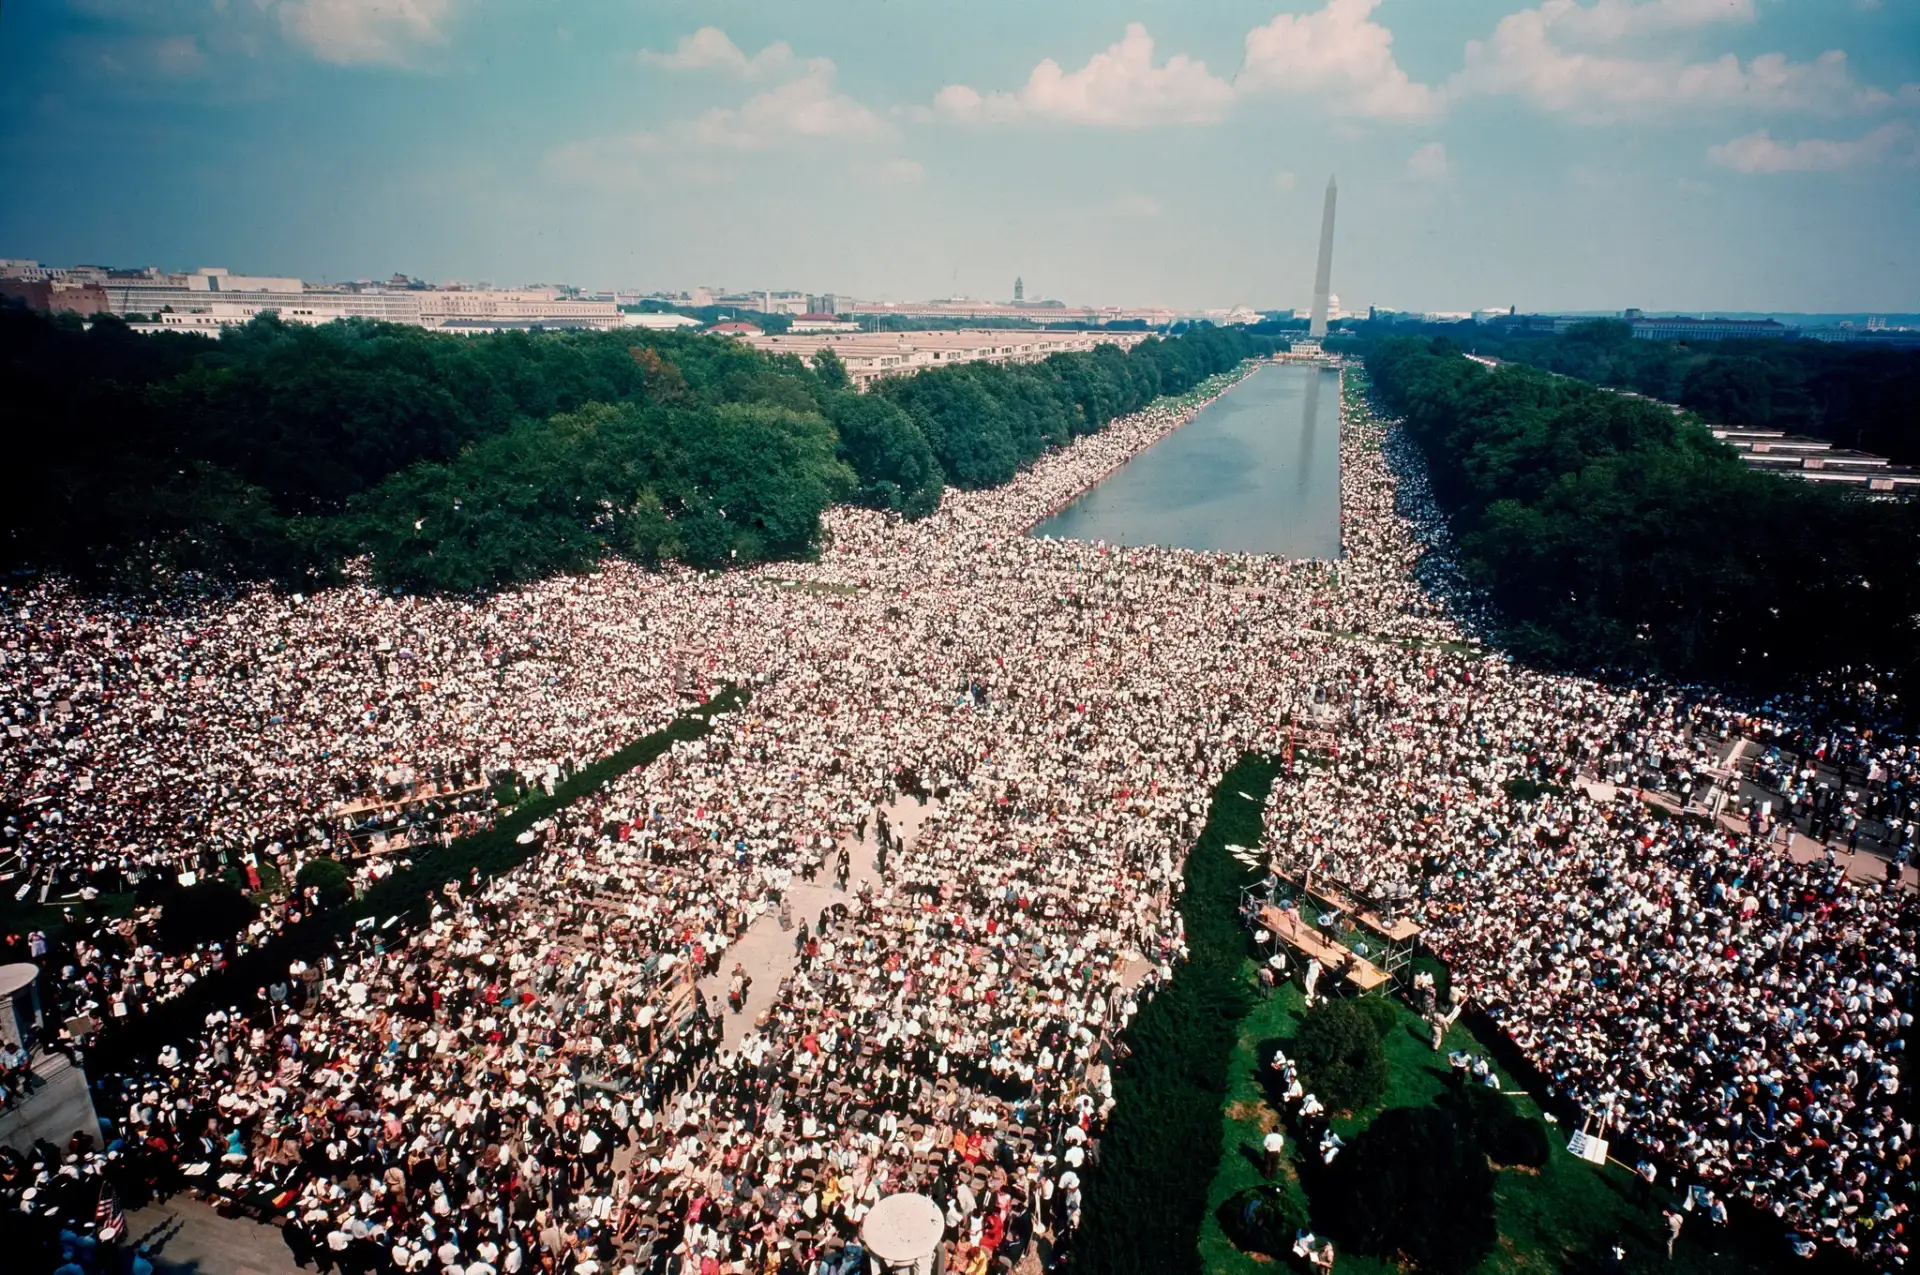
point(1257, 471)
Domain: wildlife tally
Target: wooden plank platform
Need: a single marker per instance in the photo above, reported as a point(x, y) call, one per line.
point(1401, 931)
point(1303, 938)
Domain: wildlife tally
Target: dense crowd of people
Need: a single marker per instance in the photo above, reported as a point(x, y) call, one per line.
point(534, 1079)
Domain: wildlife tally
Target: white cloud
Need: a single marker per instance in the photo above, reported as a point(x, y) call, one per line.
point(1605, 21)
point(900, 172)
point(1136, 207)
point(1340, 54)
point(1894, 144)
point(709, 49)
point(1117, 88)
point(376, 31)
point(1428, 164)
point(804, 108)
point(1523, 59)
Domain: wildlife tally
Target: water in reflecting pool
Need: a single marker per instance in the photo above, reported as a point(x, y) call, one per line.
point(1257, 471)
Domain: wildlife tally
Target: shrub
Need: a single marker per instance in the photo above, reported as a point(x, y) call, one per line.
point(334, 884)
point(325, 873)
point(1338, 1049)
point(1263, 1219)
point(1380, 1012)
point(1415, 1187)
point(209, 912)
point(1516, 1142)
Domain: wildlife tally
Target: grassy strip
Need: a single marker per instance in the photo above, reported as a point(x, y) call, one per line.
point(408, 894)
point(1565, 1216)
point(1143, 1207)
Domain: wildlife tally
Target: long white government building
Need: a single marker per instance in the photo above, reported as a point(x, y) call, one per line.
point(210, 299)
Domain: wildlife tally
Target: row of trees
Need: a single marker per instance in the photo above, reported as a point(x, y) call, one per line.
point(1860, 396)
point(1611, 532)
point(464, 463)
point(986, 421)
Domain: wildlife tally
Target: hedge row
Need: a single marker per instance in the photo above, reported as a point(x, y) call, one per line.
point(1144, 1205)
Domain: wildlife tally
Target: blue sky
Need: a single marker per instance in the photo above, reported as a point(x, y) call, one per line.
point(1569, 154)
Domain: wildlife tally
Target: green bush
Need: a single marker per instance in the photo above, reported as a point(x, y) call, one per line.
point(1380, 1012)
point(459, 464)
point(329, 876)
point(1263, 1219)
point(1414, 1187)
point(1341, 1061)
point(1521, 789)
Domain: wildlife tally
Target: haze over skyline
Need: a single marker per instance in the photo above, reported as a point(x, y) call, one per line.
point(1669, 154)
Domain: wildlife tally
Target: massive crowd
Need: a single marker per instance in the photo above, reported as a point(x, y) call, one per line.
point(533, 1080)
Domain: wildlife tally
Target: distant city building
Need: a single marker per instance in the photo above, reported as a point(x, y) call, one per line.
point(659, 322)
point(1019, 290)
point(734, 327)
point(212, 298)
point(1685, 329)
point(56, 296)
point(873, 356)
point(1898, 338)
point(825, 303)
point(1334, 312)
point(1672, 328)
point(1817, 460)
point(1032, 311)
point(822, 323)
point(215, 279)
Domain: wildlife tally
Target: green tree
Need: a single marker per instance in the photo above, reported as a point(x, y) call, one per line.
point(895, 467)
point(831, 371)
point(328, 876)
point(1341, 1061)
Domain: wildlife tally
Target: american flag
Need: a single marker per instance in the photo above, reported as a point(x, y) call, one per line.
point(107, 1213)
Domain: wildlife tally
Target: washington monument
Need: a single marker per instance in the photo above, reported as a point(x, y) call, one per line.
point(1323, 277)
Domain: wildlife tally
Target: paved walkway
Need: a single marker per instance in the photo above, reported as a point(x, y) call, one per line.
point(186, 1237)
point(766, 952)
point(1862, 865)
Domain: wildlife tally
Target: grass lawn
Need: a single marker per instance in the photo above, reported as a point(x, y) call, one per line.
point(1562, 1217)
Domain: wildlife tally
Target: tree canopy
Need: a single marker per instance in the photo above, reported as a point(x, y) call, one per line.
point(458, 463)
point(1338, 1049)
point(1864, 396)
point(1612, 532)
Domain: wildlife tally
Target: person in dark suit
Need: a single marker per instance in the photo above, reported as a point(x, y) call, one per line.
point(299, 1242)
